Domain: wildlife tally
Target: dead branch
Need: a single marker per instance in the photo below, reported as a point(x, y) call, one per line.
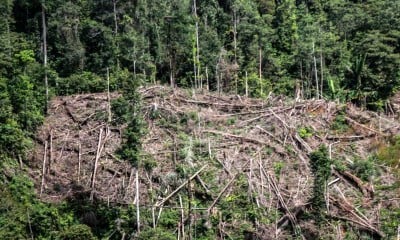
point(303, 143)
point(269, 112)
point(69, 112)
point(221, 193)
point(224, 189)
point(285, 219)
point(365, 127)
point(281, 201)
point(349, 138)
point(269, 134)
point(346, 207)
point(160, 203)
point(79, 161)
point(247, 139)
point(224, 167)
point(376, 233)
point(44, 168)
point(201, 182)
point(51, 151)
point(84, 121)
point(365, 188)
point(100, 147)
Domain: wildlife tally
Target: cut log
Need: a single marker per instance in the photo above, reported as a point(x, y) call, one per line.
point(365, 188)
point(160, 203)
point(376, 233)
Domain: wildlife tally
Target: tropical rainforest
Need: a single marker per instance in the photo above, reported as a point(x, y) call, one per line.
point(344, 51)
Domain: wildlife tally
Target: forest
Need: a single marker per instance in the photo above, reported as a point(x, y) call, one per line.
point(342, 51)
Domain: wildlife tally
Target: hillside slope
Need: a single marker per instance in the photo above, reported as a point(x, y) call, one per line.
point(227, 166)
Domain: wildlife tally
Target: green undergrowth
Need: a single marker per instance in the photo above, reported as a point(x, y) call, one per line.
point(339, 124)
point(388, 155)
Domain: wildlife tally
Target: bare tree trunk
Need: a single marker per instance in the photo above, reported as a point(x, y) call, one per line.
point(108, 97)
point(8, 32)
point(208, 84)
point(247, 85)
point(218, 80)
point(235, 46)
point(301, 79)
point(182, 223)
point(79, 161)
point(196, 64)
point(322, 73)
point(195, 72)
point(44, 168)
point(29, 224)
point(95, 165)
point(190, 210)
point(171, 75)
point(51, 151)
point(315, 72)
point(115, 17)
point(137, 201)
point(260, 71)
point(44, 36)
point(235, 35)
point(116, 29)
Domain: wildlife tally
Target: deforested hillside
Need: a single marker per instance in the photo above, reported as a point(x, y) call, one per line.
point(218, 166)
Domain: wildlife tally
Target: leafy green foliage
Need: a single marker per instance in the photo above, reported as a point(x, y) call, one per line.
point(23, 216)
point(156, 234)
point(344, 49)
point(389, 154)
point(321, 168)
point(390, 221)
point(365, 168)
point(128, 109)
point(339, 124)
point(85, 82)
point(305, 132)
point(77, 232)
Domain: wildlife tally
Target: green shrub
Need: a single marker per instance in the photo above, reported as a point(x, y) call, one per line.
point(149, 163)
point(388, 154)
point(364, 169)
point(77, 232)
point(83, 82)
point(156, 234)
point(278, 166)
point(340, 124)
point(120, 109)
point(321, 168)
point(305, 132)
point(231, 121)
point(390, 219)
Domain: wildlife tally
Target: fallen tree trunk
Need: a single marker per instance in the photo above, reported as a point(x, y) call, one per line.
point(159, 204)
point(365, 188)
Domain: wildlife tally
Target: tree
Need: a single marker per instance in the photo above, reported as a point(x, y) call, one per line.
point(44, 37)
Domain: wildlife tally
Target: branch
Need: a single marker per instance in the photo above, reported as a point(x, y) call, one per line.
point(365, 188)
point(224, 190)
point(363, 126)
point(235, 136)
point(159, 204)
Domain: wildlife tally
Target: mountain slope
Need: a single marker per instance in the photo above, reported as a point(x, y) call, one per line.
point(227, 166)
